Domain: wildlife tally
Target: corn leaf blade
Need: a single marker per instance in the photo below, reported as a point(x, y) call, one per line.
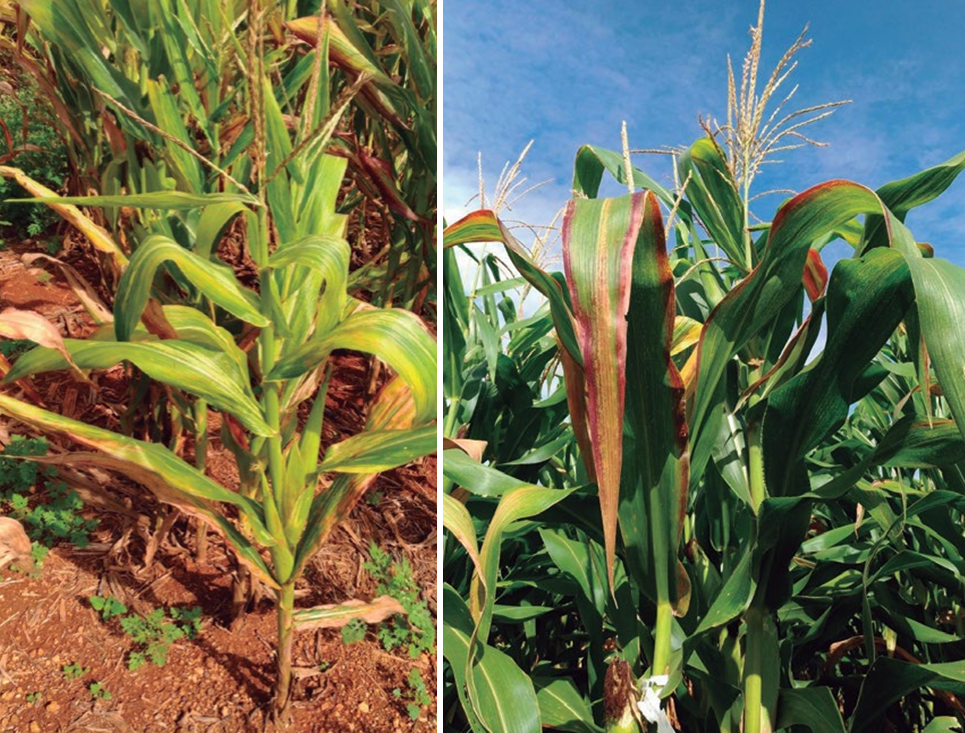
point(215, 280)
point(653, 499)
point(186, 366)
point(166, 475)
point(396, 336)
point(599, 237)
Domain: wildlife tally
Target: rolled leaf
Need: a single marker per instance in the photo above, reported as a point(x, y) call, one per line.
point(653, 497)
point(328, 256)
point(599, 236)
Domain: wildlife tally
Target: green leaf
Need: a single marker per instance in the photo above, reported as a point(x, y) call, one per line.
point(164, 200)
point(575, 561)
point(867, 298)
point(475, 477)
point(903, 195)
point(496, 694)
point(215, 280)
point(214, 222)
point(588, 169)
point(732, 599)
point(195, 327)
point(714, 196)
point(761, 296)
point(392, 410)
point(889, 680)
point(374, 451)
point(814, 707)
point(396, 336)
point(943, 724)
point(914, 443)
point(208, 374)
point(278, 149)
point(169, 118)
point(562, 707)
point(939, 286)
point(521, 503)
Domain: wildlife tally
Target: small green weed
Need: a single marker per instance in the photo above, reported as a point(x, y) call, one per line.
point(74, 671)
point(420, 695)
point(42, 156)
point(54, 245)
point(417, 694)
point(98, 691)
point(374, 498)
point(34, 697)
point(109, 607)
point(414, 631)
point(153, 633)
point(14, 348)
point(48, 509)
point(189, 620)
point(354, 631)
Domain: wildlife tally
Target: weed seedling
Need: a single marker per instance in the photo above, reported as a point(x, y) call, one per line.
point(414, 631)
point(74, 671)
point(13, 348)
point(417, 694)
point(354, 631)
point(47, 508)
point(154, 634)
point(189, 620)
point(98, 691)
point(109, 607)
point(34, 697)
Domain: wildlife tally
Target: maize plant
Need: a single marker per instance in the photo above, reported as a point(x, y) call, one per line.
point(136, 119)
point(734, 534)
point(253, 354)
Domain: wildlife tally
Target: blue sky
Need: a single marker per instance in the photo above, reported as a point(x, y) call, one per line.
point(567, 72)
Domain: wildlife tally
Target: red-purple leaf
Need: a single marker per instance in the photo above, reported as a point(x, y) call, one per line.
point(599, 236)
